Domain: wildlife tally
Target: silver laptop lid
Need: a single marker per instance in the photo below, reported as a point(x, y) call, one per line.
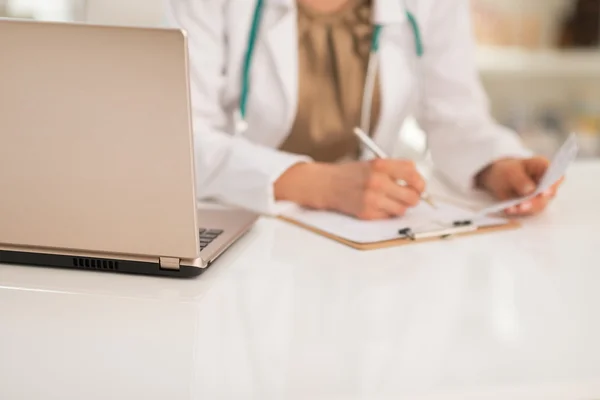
point(95, 140)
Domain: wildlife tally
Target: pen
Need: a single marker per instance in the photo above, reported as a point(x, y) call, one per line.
point(367, 141)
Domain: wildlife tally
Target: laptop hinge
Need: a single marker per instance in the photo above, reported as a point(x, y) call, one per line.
point(169, 263)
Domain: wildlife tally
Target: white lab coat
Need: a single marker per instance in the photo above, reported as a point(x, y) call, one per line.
point(452, 111)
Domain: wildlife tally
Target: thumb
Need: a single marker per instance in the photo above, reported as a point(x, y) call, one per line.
point(520, 182)
point(536, 167)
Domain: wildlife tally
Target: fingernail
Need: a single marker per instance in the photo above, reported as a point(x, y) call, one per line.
point(525, 206)
point(547, 193)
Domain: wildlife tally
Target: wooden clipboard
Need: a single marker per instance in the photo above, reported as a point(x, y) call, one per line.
point(401, 241)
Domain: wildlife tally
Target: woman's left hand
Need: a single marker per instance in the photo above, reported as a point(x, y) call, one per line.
point(510, 178)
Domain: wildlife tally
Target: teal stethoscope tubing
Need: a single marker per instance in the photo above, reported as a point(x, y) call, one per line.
point(371, 69)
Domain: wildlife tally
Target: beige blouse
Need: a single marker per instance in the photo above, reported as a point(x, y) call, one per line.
point(333, 56)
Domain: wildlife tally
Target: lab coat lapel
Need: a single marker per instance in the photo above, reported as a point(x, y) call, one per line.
point(395, 68)
point(282, 43)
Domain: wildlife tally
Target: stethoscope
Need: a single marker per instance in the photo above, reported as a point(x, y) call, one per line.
point(372, 66)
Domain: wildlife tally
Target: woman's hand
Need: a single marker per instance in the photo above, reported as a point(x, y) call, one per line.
point(366, 190)
point(510, 178)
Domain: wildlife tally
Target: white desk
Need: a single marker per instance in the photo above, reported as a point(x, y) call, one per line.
point(290, 315)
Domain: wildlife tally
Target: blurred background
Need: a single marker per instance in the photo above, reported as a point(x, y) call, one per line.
point(539, 59)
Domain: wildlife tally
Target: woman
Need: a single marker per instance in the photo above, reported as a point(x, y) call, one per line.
point(306, 78)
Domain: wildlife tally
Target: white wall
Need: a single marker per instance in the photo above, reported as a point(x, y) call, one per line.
point(125, 12)
point(51, 10)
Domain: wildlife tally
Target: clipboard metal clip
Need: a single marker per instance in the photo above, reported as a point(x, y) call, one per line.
point(462, 223)
point(408, 233)
point(457, 227)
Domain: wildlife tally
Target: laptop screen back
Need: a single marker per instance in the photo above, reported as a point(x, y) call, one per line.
point(95, 140)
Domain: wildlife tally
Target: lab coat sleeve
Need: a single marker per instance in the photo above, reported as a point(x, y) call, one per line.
point(230, 169)
point(463, 138)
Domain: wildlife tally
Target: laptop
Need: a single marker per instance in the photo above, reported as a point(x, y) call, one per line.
point(97, 153)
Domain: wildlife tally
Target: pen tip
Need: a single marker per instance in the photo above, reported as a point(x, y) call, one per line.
point(428, 200)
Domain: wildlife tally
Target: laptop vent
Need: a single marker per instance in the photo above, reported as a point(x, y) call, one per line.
point(95, 263)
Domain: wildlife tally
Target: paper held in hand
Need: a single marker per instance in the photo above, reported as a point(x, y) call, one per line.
point(556, 170)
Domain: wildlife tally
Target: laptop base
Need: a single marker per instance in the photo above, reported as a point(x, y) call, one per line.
point(95, 264)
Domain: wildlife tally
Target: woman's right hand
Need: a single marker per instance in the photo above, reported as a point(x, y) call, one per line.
point(367, 190)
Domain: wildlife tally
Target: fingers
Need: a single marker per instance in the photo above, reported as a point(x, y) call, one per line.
point(383, 184)
point(530, 207)
point(550, 193)
point(536, 167)
point(372, 215)
point(378, 206)
point(520, 182)
point(390, 207)
point(536, 205)
point(400, 170)
point(384, 198)
point(554, 188)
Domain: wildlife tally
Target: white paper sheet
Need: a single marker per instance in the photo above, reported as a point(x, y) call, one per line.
point(556, 170)
point(420, 219)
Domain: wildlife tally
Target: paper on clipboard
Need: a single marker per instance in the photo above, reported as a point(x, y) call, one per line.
point(422, 219)
point(556, 170)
